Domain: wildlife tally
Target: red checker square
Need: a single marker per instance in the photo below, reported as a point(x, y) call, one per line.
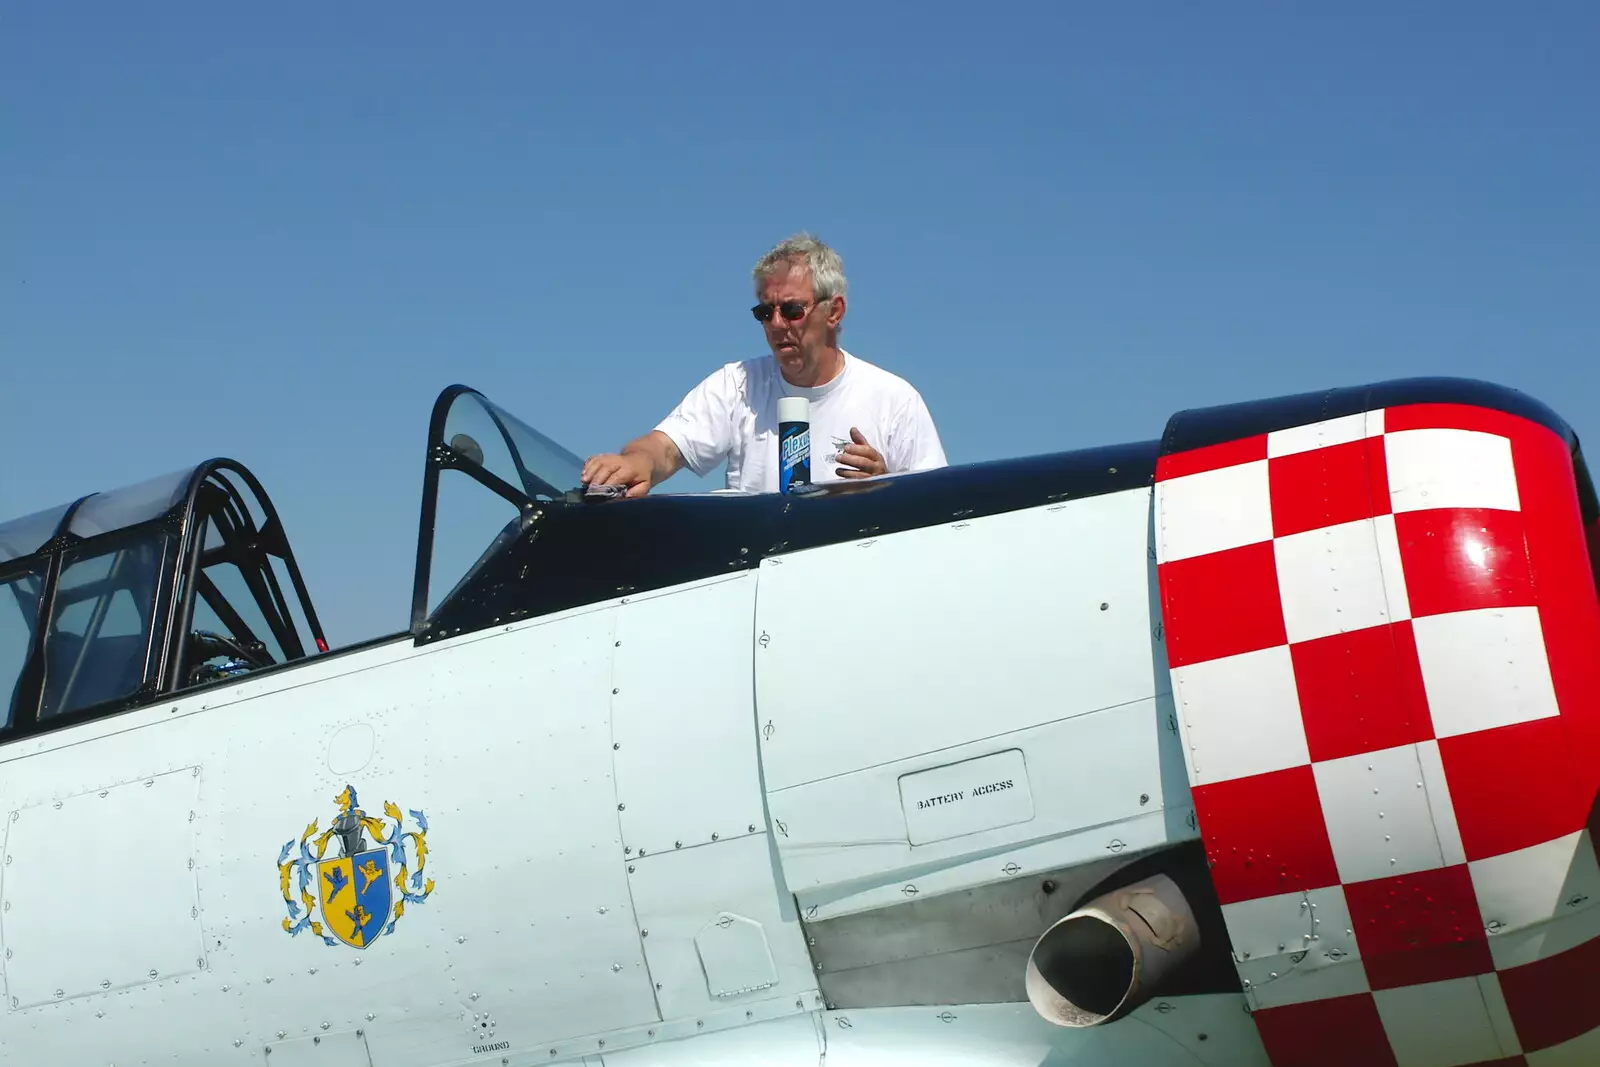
point(1265, 835)
point(1570, 648)
point(1554, 1000)
point(1419, 928)
point(1461, 559)
point(1458, 417)
point(1514, 786)
point(1328, 486)
point(1211, 457)
point(1325, 1033)
point(1562, 555)
point(1221, 604)
point(1361, 691)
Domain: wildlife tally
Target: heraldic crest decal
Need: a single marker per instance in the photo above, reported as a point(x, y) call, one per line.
point(354, 897)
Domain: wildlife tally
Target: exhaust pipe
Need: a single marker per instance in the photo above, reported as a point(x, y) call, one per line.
point(1112, 954)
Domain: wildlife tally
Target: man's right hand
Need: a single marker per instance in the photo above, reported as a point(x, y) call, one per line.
point(615, 469)
point(639, 466)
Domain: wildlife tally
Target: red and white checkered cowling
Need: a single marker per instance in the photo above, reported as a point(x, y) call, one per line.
point(1384, 640)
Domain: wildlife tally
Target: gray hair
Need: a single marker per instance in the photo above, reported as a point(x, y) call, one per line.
point(827, 269)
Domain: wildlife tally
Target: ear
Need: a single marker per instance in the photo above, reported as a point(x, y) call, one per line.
point(836, 308)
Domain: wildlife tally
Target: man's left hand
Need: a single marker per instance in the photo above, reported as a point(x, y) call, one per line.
point(861, 459)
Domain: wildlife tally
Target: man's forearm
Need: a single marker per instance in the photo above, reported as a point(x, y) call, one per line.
point(659, 449)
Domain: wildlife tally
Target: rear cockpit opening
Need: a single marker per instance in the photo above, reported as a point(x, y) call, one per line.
point(123, 597)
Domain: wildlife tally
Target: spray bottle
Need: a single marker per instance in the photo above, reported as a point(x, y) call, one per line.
point(794, 443)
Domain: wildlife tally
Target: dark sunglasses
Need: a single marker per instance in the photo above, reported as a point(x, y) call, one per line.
point(792, 310)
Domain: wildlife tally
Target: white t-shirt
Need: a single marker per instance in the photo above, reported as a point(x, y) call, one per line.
point(733, 415)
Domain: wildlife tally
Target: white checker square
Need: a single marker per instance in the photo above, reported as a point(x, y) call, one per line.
point(1439, 1024)
point(1340, 578)
point(1240, 715)
point(1270, 932)
point(1484, 669)
point(1539, 901)
point(1437, 786)
point(1379, 820)
point(1442, 468)
point(1581, 1051)
point(1198, 514)
point(1323, 434)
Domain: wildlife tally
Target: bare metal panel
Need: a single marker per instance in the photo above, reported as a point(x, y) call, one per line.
point(348, 1049)
point(1065, 585)
point(684, 735)
point(112, 869)
point(968, 947)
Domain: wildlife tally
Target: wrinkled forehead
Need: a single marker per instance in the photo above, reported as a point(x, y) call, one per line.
point(786, 283)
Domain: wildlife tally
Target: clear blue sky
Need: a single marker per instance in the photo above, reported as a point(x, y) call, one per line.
point(276, 234)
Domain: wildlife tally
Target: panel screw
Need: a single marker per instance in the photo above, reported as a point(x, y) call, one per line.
point(1144, 798)
point(1104, 605)
point(752, 827)
point(622, 807)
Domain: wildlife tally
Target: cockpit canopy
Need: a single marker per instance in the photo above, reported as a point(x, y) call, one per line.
point(118, 597)
point(521, 467)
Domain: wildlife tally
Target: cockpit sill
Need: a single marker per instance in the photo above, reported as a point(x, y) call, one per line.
point(558, 550)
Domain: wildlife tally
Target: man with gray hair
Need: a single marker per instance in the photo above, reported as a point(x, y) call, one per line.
point(865, 421)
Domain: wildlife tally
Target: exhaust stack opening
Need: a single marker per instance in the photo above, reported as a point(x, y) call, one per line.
point(1113, 954)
